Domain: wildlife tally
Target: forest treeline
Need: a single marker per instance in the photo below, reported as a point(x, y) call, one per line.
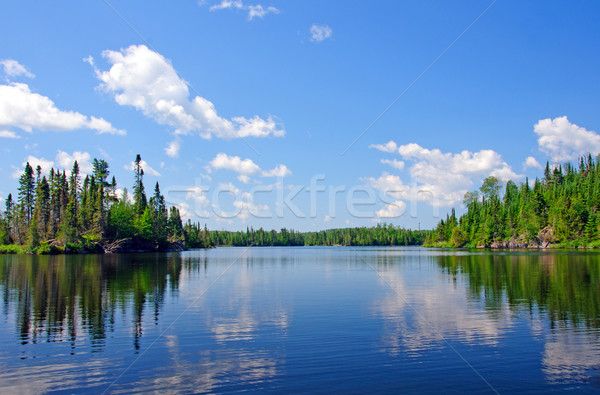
point(561, 209)
point(380, 235)
point(68, 212)
point(65, 213)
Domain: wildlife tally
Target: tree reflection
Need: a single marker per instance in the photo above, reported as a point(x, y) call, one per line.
point(563, 285)
point(60, 298)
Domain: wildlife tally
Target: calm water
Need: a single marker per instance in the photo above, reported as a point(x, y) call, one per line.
point(316, 320)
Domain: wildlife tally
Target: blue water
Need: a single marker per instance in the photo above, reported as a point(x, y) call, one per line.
point(301, 320)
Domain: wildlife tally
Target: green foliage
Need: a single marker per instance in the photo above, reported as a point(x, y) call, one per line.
point(48, 249)
point(562, 209)
point(491, 187)
point(380, 235)
point(121, 220)
point(143, 225)
point(13, 249)
point(458, 238)
point(82, 215)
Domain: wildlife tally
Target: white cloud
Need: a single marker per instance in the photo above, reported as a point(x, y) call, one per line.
point(62, 161)
point(34, 162)
point(260, 11)
point(246, 167)
point(89, 60)
point(277, 171)
point(119, 194)
point(199, 203)
point(145, 166)
point(65, 161)
point(144, 79)
point(563, 140)
point(227, 4)
point(198, 195)
point(254, 11)
point(21, 108)
point(243, 205)
point(396, 164)
point(531, 162)
point(247, 207)
point(8, 134)
point(12, 68)
point(392, 210)
point(389, 147)
point(440, 178)
point(320, 33)
point(327, 218)
point(173, 148)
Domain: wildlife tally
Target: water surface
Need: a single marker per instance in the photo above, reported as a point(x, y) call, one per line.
point(316, 320)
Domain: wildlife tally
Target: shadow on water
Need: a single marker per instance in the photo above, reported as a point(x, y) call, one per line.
point(564, 285)
point(58, 297)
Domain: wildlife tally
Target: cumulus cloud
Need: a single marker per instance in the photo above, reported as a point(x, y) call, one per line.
point(246, 207)
point(243, 205)
point(396, 164)
point(34, 162)
point(62, 161)
point(246, 167)
point(8, 134)
point(145, 166)
point(173, 148)
point(439, 177)
point(531, 162)
point(65, 161)
point(119, 194)
point(12, 68)
point(144, 79)
point(319, 33)
point(389, 147)
point(278, 171)
point(254, 11)
point(24, 109)
point(392, 210)
point(563, 140)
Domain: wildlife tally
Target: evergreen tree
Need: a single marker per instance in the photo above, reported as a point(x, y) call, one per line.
point(9, 219)
point(159, 215)
point(27, 193)
point(64, 208)
point(139, 193)
point(42, 209)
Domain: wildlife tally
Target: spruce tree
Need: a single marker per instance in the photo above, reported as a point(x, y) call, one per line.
point(139, 194)
point(27, 193)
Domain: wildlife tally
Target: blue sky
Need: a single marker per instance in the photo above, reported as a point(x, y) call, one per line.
point(386, 111)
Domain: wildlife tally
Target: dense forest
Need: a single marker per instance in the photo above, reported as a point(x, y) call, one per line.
point(559, 210)
point(380, 235)
point(62, 213)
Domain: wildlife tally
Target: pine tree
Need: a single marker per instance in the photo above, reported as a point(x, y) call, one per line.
point(42, 209)
point(27, 193)
point(174, 225)
point(159, 215)
point(139, 194)
point(9, 218)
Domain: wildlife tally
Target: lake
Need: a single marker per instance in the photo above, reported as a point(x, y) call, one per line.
point(302, 320)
